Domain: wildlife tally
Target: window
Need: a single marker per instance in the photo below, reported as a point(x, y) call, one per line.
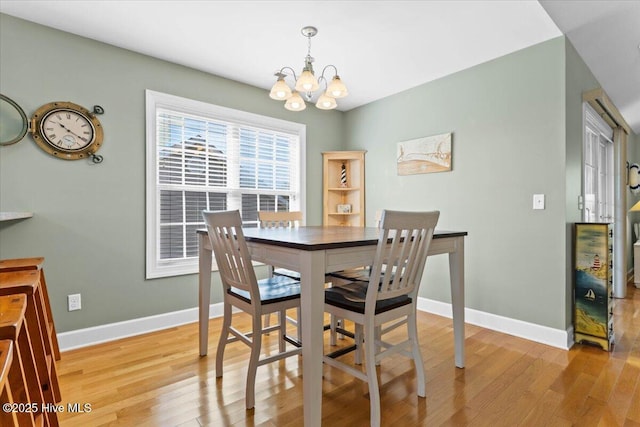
point(598, 168)
point(201, 156)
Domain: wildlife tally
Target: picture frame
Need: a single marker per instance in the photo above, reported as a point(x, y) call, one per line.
point(425, 155)
point(343, 209)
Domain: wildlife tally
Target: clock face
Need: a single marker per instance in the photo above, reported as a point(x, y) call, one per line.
point(67, 130)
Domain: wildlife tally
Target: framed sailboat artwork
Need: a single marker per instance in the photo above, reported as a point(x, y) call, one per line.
point(593, 281)
point(425, 155)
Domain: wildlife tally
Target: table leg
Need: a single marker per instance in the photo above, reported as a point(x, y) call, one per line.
point(204, 292)
point(312, 290)
point(456, 272)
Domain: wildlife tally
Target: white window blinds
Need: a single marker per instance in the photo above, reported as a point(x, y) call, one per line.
point(206, 159)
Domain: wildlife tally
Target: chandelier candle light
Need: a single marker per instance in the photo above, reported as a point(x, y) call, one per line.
point(307, 83)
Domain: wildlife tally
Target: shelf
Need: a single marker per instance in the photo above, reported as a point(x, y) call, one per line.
point(343, 184)
point(10, 216)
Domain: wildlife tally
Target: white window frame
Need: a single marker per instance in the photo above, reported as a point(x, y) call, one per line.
point(155, 267)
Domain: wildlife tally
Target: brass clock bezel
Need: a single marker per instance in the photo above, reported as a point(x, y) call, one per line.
point(45, 144)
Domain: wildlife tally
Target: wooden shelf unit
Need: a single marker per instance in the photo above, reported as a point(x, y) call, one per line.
point(334, 194)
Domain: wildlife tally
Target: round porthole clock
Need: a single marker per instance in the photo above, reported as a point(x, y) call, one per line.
point(67, 131)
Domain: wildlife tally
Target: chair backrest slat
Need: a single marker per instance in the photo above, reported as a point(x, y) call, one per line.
point(231, 252)
point(401, 254)
point(269, 219)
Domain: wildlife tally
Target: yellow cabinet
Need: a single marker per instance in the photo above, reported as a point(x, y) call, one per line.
point(343, 188)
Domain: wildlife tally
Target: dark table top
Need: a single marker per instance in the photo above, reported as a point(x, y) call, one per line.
point(312, 238)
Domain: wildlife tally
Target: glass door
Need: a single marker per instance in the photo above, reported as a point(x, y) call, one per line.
point(598, 169)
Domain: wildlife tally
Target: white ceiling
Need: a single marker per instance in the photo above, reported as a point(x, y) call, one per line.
point(606, 34)
point(379, 47)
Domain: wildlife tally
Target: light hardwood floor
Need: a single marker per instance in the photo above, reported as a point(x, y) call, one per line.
point(158, 380)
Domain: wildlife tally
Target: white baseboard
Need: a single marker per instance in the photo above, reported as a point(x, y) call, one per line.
point(114, 331)
point(128, 328)
point(530, 331)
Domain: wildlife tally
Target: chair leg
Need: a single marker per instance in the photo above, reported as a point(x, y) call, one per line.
point(267, 320)
point(378, 338)
point(359, 342)
point(298, 320)
point(256, 344)
point(224, 337)
point(282, 317)
point(333, 324)
point(342, 325)
point(372, 378)
point(417, 355)
point(267, 317)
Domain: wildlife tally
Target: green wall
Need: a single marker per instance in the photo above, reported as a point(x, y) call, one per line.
point(517, 131)
point(507, 119)
point(89, 221)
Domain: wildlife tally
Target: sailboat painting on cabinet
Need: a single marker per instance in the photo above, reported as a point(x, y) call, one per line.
point(593, 258)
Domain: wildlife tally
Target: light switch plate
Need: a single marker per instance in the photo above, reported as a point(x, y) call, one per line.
point(538, 201)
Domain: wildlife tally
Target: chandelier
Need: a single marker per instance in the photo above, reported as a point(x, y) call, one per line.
point(307, 83)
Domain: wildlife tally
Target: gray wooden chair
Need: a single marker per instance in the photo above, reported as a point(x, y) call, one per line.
point(270, 219)
point(337, 278)
point(289, 219)
point(242, 290)
point(387, 300)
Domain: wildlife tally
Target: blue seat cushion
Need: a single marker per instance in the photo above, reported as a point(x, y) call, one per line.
point(288, 273)
point(272, 290)
point(352, 296)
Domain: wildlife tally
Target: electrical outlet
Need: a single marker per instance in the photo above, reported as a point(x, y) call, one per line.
point(74, 302)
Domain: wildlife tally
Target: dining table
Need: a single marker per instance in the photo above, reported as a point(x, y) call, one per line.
point(314, 251)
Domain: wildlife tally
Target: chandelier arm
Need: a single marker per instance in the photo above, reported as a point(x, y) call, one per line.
point(321, 79)
point(280, 73)
point(335, 70)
